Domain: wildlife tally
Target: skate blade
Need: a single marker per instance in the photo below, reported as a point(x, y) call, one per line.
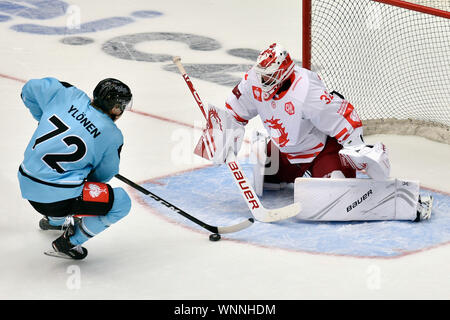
point(57, 254)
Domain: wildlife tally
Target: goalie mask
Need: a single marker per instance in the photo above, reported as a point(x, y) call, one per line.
point(273, 66)
point(110, 93)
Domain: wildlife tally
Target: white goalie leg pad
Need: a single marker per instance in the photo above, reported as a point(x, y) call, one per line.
point(324, 199)
point(258, 157)
point(262, 164)
point(371, 159)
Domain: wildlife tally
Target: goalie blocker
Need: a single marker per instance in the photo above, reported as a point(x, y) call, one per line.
point(360, 200)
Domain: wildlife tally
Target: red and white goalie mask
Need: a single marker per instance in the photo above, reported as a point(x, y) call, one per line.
point(273, 66)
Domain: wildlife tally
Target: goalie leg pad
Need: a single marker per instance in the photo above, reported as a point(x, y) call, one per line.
point(356, 199)
point(258, 157)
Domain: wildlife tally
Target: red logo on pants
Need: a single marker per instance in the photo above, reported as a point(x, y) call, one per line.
point(95, 192)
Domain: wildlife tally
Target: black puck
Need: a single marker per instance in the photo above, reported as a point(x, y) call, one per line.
point(214, 237)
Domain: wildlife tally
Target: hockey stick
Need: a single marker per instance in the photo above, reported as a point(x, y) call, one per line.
point(254, 204)
point(220, 230)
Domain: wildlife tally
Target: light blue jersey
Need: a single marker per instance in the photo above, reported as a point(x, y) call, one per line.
point(72, 140)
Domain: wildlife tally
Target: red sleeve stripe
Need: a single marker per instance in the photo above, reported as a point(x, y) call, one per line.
point(236, 116)
point(346, 137)
point(340, 134)
point(356, 122)
point(320, 145)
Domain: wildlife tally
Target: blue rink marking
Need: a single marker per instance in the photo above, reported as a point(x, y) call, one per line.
point(211, 195)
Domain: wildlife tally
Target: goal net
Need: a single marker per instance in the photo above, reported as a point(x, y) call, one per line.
point(389, 58)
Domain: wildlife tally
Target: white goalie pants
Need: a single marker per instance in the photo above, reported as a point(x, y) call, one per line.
point(356, 199)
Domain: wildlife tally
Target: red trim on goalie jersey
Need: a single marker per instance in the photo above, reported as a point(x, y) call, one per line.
point(302, 156)
point(341, 133)
point(349, 113)
point(310, 153)
point(235, 115)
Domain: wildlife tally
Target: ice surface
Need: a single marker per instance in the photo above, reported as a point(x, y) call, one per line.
point(150, 254)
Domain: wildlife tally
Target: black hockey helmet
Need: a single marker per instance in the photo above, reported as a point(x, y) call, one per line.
point(110, 93)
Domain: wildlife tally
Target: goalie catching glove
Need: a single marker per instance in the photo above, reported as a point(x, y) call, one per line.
point(221, 135)
point(371, 159)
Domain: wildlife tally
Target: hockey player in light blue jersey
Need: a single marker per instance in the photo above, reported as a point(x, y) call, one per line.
point(71, 156)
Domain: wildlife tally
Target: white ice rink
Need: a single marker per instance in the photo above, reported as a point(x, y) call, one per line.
point(146, 256)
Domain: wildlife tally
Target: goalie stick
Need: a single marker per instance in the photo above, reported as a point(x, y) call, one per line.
point(254, 204)
point(220, 230)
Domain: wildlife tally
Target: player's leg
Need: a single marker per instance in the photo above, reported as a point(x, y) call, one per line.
point(287, 172)
point(51, 223)
point(273, 171)
point(328, 163)
point(101, 206)
point(54, 213)
point(270, 176)
point(90, 226)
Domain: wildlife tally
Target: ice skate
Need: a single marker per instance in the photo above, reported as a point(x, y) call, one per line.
point(44, 224)
point(62, 246)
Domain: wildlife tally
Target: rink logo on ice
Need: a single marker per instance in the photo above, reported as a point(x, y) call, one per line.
point(50, 9)
point(125, 46)
point(375, 239)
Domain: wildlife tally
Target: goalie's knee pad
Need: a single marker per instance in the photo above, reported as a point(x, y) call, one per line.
point(336, 174)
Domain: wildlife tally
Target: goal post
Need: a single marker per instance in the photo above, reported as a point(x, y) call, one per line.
point(390, 58)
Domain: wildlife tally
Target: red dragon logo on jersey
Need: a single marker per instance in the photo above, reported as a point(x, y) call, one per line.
point(282, 140)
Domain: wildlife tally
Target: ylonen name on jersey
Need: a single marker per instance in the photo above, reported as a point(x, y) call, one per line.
point(82, 118)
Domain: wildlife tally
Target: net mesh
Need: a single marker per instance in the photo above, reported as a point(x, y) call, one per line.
point(390, 62)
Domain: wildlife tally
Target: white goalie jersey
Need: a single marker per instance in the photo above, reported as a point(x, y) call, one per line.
point(300, 118)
